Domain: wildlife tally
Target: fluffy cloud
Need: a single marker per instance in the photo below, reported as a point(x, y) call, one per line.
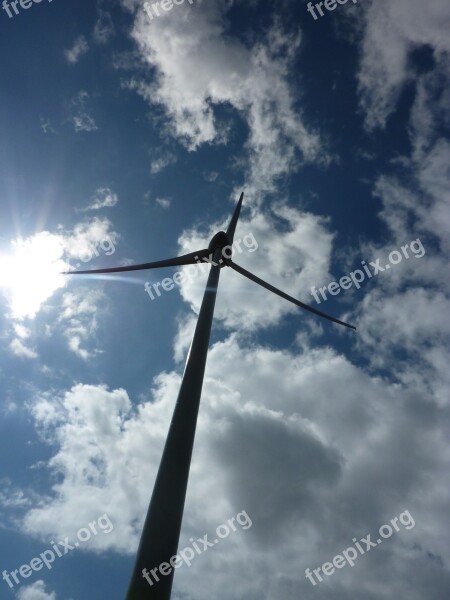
point(340, 436)
point(103, 198)
point(163, 203)
point(80, 47)
point(161, 162)
point(104, 27)
point(18, 345)
point(84, 122)
point(89, 239)
point(392, 30)
point(36, 591)
point(407, 313)
point(19, 349)
point(81, 119)
point(78, 317)
point(199, 69)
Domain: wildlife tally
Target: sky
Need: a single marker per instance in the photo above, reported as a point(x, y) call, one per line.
point(127, 137)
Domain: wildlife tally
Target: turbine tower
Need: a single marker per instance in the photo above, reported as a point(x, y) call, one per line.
point(161, 531)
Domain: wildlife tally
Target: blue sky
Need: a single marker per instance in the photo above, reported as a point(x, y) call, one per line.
point(126, 140)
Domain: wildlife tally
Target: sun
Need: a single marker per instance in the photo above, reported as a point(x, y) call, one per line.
point(31, 272)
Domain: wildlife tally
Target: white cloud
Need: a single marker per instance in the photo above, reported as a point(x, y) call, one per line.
point(199, 68)
point(429, 111)
point(21, 331)
point(80, 47)
point(161, 162)
point(344, 440)
point(104, 27)
point(81, 119)
point(85, 241)
point(407, 311)
point(392, 30)
point(103, 198)
point(10, 497)
point(79, 319)
point(183, 339)
point(84, 122)
point(18, 348)
point(47, 126)
point(163, 203)
point(35, 591)
point(211, 176)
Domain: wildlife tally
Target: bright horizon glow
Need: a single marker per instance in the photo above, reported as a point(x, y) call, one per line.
point(32, 272)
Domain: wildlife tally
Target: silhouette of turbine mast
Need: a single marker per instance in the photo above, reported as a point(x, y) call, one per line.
point(161, 531)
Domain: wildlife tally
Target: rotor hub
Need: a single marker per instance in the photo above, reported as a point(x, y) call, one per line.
point(219, 241)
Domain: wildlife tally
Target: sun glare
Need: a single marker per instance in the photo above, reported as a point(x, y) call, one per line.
point(30, 274)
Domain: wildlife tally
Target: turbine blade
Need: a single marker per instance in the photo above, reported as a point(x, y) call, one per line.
point(273, 289)
point(234, 219)
point(187, 259)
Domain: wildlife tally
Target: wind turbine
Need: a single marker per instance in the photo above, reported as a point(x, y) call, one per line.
point(161, 532)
